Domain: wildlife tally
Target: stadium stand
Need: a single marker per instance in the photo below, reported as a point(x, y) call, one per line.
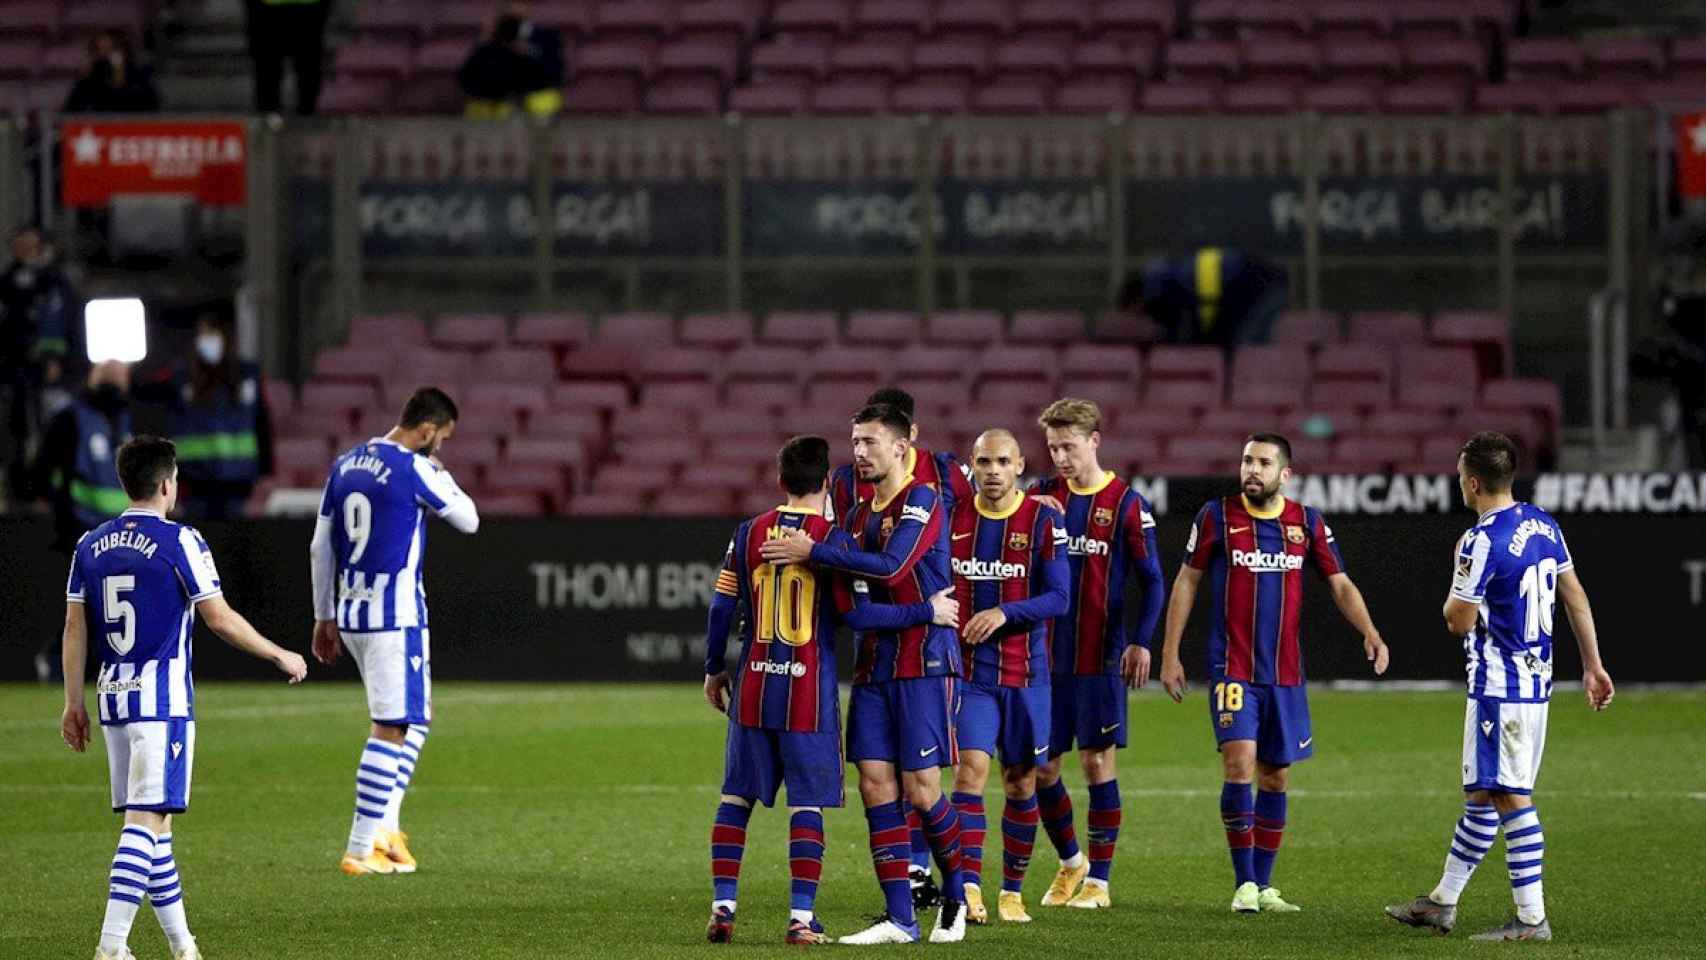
point(561, 414)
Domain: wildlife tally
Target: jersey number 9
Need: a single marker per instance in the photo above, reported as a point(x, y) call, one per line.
point(787, 596)
point(358, 524)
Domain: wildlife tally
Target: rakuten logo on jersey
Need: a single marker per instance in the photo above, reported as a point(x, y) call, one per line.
point(989, 570)
point(1082, 546)
point(795, 669)
point(1262, 562)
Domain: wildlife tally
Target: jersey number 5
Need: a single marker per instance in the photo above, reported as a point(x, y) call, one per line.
point(116, 609)
point(787, 596)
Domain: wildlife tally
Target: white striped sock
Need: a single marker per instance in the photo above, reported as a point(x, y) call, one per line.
point(375, 779)
point(1476, 831)
point(166, 893)
point(1525, 849)
point(127, 884)
point(411, 755)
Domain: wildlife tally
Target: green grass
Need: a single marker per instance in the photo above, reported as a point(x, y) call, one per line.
point(568, 821)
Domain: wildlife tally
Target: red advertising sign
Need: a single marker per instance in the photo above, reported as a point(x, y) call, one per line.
point(203, 159)
point(1691, 154)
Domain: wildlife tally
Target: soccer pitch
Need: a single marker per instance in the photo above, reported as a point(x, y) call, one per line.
point(574, 821)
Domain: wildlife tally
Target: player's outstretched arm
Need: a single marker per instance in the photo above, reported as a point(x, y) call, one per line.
point(1179, 604)
point(74, 722)
point(235, 630)
point(1349, 600)
point(1596, 683)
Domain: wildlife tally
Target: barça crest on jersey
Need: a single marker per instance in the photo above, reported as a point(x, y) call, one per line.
point(1294, 533)
point(1018, 540)
point(1225, 720)
point(888, 526)
point(1103, 517)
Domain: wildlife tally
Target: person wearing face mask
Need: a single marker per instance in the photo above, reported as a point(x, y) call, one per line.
point(112, 81)
point(76, 470)
point(220, 424)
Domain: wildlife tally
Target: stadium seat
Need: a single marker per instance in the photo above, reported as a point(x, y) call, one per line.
point(602, 95)
point(1308, 327)
point(1424, 98)
point(792, 57)
point(963, 328)
point(761, 394)
point(352, 363)
point(1084, 361)
point(388, 329)
point(1382, 450)
point(355, 96)
point(1688, 59)
point(1259, 99)
point(1433, 19)
point(1199, 363)
point(1032, 57)
point(736, 19)
point(864, 59)
point(813, 18)
point(1100, 58)
point(1052, 327)
point(1096, 95)
point(638, 329)
point(934, 363)
point(38, 20)
point(1222, 423)
point(1167, 467)
point(1270, 376)
point(469, 331)
point(1544, 59)
point(1351, 376)
point(1180, 98)
point(1350, 21)
point(1534, 437)
point(1307, 453)
point(1116, 398)
point(956, 56)
point(844, 97)
point(1198, 62)
point(719, 330)
point(1288, 63)
point(680, 395)
point(88, 16)
point(557, 330)
point(886, 328)
point(644, 420)
point(1173, 394)
point(683, 96)
point(811, 329)
point(416, 366)
point(589, 395)
point(1375, 59)
point(1342, 96)
point(771, 97)
point(1201, 449)
point(697, 500)
point(380, 58)
point(301, 461)
point(1388, 327)
point(700, 57)
point(1626, 59)
point(1002, 363)
point(1525, 393)
point(941, 96)
point(1119, 326)
point(1459, 61)
point(1018, 95)
point(1414, 424)
point(1593, 97)
point(280, 399)
point(1127, 20)
point(659, 452)
point(1026, 397)
point(678, 363)
point(519, 397)
point(335, 399)
point(1487, 331)
point(584, 423)
point(1451, 365)
point(1515, 96)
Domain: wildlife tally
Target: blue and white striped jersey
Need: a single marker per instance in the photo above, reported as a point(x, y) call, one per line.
point(1508, 564)
point(139, 577)
point(374, 502)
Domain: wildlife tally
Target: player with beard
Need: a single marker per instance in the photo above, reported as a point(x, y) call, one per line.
point(1254, 547)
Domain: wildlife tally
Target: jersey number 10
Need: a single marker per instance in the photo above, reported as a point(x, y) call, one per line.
point(787, 597)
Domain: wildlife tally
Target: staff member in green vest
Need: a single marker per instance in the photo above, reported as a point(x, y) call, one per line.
point(293, 30)
point(76, 469)
point(220, 424)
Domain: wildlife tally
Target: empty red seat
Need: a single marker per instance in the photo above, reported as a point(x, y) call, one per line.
point(779, 96)
point(946, 363)
point(602, 95)
point(335, 399)
point(1235, 423)
point(301, 461)
point(559, 330)
point(963, 57)
point(933, 95)
point(843, 395)
point(1259, 98)
point(1487, 331)
point(766, 363)
point(1382, 450)
point(1200, 449)
point(844, 97)
point(864, 364)
point(1375, 58)
point(1201, 61)
point(1270, 376)
point(374, 57)
point(695, 500)
point(608, 503)
point(1628, 59)
point(1343, 96)
point(352, 363)
point(280, 399)
point(1119, 326)
point(720, 330)
point(966, 328)
point(612, 57)
point(520, 397)
point(802, 57)
point(1037, 57)
point(1387, 326)
point(812, 329)
point(589, 395)
point(387, 330)
point(38, 19)
point(469, 331)
point(1415, 424)
point(640, 329)
point(1046, 326)
point(1463, 61)
point(1126, 20)
point(599, 363)
point(1085, 361)
point(1433, 19)
point(683, 96)
point(1515, 96)
point(659, 452)
point(645, 420)
point(736, 19)
point(991, 17)
point(1027, 397)
point(1096, 95)
point(1290, 62)
point(882, 59)
point(1103, 58)
point(678, 363)
point(1351, 376)
point(1181, 394)
point(813, 17)
point(1174, 362)
point(1525, 393)
point(702, 57)
point(584, 423)
point(1069, 15)
point(1180, 98)
point(518, 365)
point(882, 327)
point(1015, 95)
point(641, 17)
point(1454, 365)
point(1688, 59)
point(1341, 21)
point(1309, 327)
point(1594, 96)
point(1005, 363)
point(1550, 59)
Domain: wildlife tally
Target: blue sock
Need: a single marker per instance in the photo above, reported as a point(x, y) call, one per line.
point(728, 845)
point(974, 823)
point(891, 855)
point(1238, 813)
point(1270, 830)
point(805, 858)
point(1056, 806)
point(1018, 837)
point(942, 829)
point(1103, 827)
point(920, 846)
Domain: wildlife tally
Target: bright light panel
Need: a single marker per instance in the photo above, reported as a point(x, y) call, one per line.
point(116, 329)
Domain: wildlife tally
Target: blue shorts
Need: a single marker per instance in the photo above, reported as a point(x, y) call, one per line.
point(758, 761)
point(1276, 717)
point(909, 723)
point(1014, 718)
point(1090, 710)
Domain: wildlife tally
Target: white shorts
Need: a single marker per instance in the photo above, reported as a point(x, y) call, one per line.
point(396, 668)
point(1502, 744)
point(150, 762)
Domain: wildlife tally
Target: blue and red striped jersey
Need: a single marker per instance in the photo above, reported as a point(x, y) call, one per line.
point(901, 553)
point(786, 678)
point(1014, 559)
point(1110, 534)
point(941, 472)
point(1255, 571)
